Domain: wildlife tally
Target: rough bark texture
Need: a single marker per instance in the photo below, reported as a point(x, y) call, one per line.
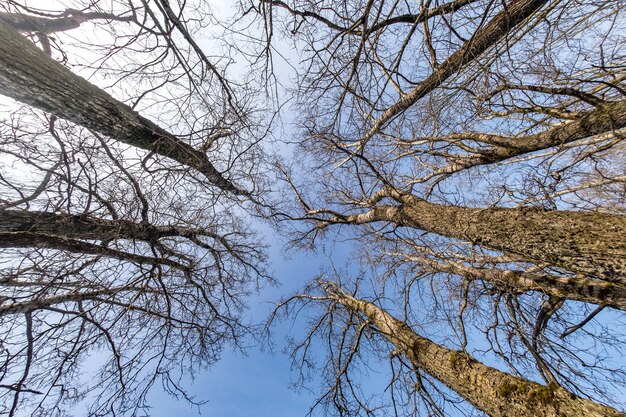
point(497, 393)
point(605, 118)
point(591, 244)
point(572, 288)
point(25, 229)
point(497, 28)
point(85, 227)
point(28, 75)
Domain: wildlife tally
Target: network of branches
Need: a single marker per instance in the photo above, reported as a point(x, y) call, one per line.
point(127, 255)
point(470, 151)
point(473, 151)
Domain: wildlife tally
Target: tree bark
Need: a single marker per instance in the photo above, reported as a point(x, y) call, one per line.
point(587, 243)
point(496, 393)
point(71, 19)
point(571, 288)
point(28, 75)
point(88, 227)
point(76, 233)
point(605, 118)
point(27, 23)
point(485, 37)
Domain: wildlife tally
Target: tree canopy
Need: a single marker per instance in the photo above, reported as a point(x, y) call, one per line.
point(470, 151)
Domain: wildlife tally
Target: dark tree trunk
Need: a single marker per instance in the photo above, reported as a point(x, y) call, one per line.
point(72, 233)
point(28, 75)
point(86, 227)
point(46, 241)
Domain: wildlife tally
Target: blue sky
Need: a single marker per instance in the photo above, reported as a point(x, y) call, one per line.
point(257, 382)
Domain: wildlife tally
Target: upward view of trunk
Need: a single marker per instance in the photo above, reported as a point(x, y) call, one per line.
point(572, 288)
point(86, 227)
point(28, 75)
point(591, 244)
point(496, 393)
point(64, 243)
point(606, 118)
point(490, 34)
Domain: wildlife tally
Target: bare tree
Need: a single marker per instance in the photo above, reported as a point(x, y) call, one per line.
point(475, 147)
point(124, 244)
point(38, 80)
point(382, 156)
point(494, 392)
point(475, 150)
point(587, 243)
point(516, 280)
point(98, 260)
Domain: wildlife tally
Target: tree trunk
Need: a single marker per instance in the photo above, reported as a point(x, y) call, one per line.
point(72, 233)
point(64, 243)
point(496, 393)
point(88, 227)
point(29, 23)
point(487, 36)
point(605, 118)
point(71, 19)
point(587, 243)
point(28, 75)
point(571, 288)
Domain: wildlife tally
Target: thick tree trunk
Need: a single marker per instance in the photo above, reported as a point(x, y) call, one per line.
point(592, 244)
point(28, 75)
point(571, 288)
point(25, 229)
point(497, 393)
point(87, 227)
